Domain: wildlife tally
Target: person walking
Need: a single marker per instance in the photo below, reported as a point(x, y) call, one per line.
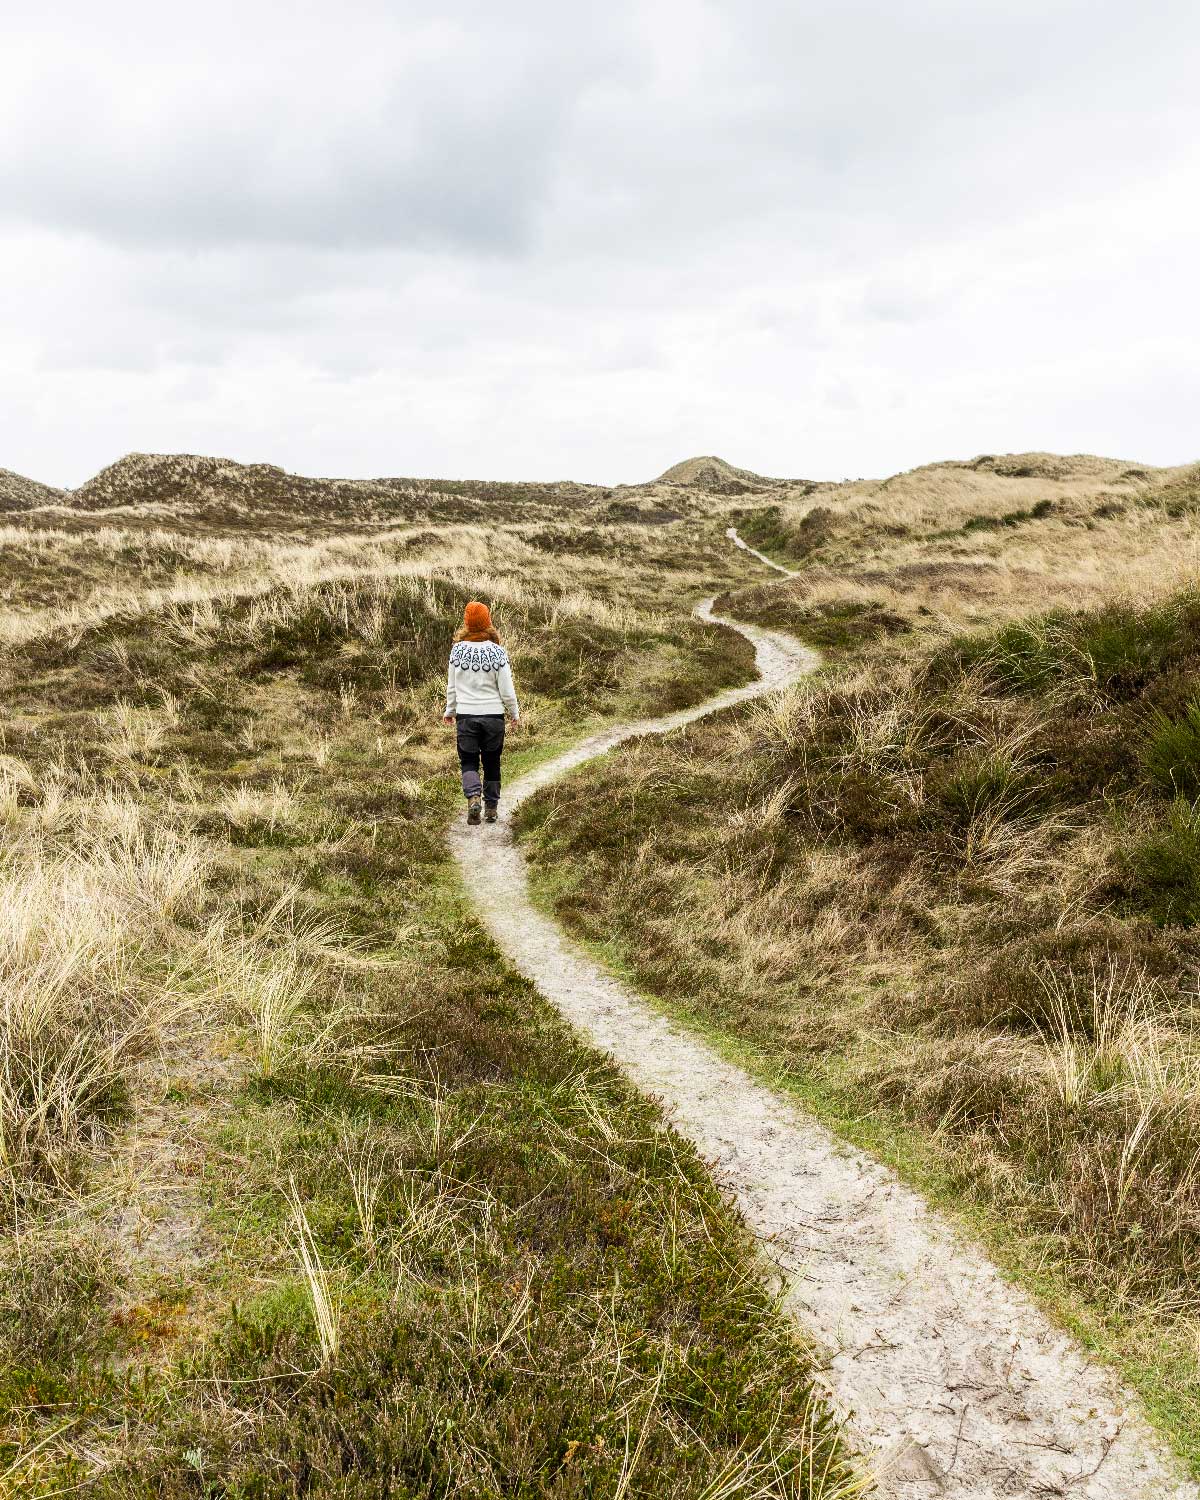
point(479, 692)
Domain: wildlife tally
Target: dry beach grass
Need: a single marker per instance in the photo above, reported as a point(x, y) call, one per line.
point(304, 1187)
point(305, 1191)
point(946, 893)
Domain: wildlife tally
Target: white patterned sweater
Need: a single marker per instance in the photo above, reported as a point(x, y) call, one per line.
point(479, 681)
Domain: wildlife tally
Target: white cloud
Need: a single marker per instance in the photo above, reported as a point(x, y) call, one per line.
point(818, 237)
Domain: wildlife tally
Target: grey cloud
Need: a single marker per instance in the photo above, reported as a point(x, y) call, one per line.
point(894, 300)
point(475, 137)
point(545, 239)
point(398, 143)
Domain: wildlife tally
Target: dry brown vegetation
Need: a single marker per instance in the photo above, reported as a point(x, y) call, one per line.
point(949, 890)
point(960, 545)
point(18, 493)
point(302, 1189)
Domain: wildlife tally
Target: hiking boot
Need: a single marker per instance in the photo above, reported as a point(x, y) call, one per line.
point(473, 806)
point(491, 811)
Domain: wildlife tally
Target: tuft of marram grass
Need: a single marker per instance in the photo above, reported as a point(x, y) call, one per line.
point(324, 1298)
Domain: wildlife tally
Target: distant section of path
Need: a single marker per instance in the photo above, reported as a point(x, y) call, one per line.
point(732, 534)
point(952, 1382)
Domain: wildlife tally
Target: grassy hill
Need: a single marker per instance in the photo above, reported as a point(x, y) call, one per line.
point(18, 493)
point(302, 1189)
point(968, 544)
point(305, 1191)
point(715, 476)
point(947, 892)
point(218, 492)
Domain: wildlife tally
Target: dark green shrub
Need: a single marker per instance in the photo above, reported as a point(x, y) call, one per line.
point(772, 531)
point(974, 783)
point(1037, 512)
point(1170, 754)
point(1164, 864)
point(1123, 648)
point(1026, 655)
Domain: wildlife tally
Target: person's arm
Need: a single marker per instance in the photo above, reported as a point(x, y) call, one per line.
point(451, 694)
point(508, 693)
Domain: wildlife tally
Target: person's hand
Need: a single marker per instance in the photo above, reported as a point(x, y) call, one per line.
point(447, 718)
point(514, 725)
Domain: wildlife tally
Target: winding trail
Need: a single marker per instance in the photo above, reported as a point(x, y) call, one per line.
point(732, 534)
point(951, 1381)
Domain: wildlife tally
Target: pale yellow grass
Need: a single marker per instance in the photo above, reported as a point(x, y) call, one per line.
point(78, 1005)
point(324, 1295)
point(899, 542)
point(249, 806)
point(275, 579)
point(113, 950)
point(255, 570)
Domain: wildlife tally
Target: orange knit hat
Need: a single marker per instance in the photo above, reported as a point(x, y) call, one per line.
point(477, 617)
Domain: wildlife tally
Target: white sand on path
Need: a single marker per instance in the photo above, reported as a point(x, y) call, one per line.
point(951, 1381)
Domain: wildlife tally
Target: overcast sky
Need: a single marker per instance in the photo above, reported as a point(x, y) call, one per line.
point(539, 240)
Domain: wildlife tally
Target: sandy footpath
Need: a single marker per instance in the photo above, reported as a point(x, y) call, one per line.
point(951, 1380)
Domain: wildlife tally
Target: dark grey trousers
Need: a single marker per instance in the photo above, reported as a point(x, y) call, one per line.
point(480, 740)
